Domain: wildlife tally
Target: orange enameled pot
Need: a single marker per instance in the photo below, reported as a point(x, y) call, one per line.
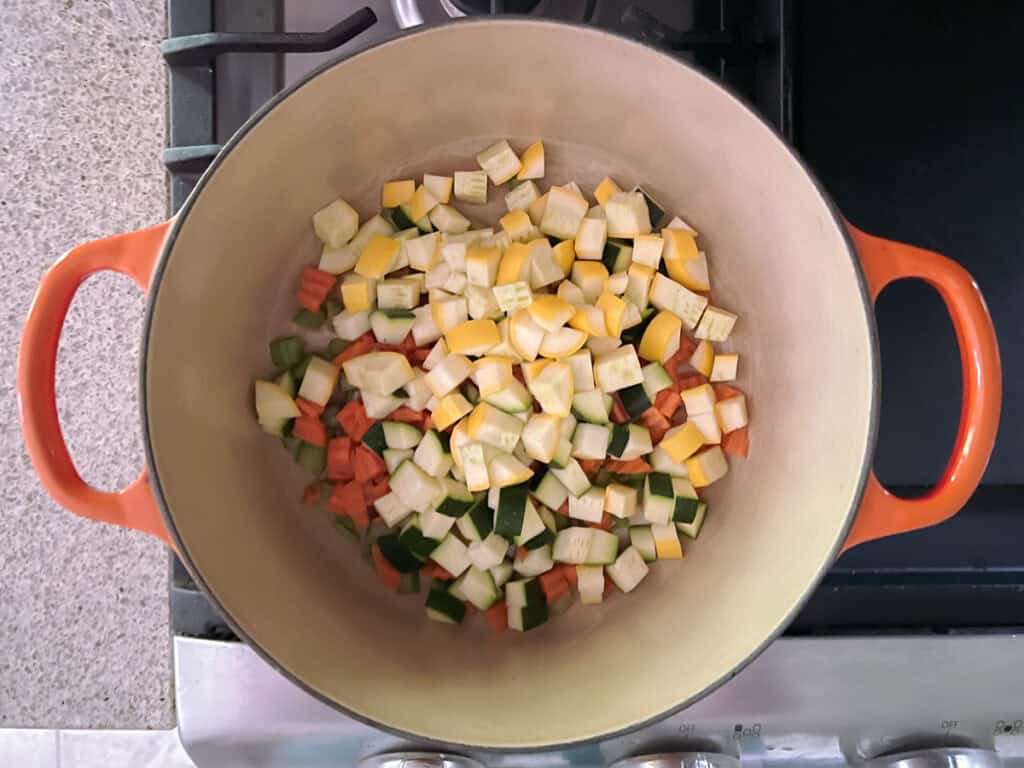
point(220, 279)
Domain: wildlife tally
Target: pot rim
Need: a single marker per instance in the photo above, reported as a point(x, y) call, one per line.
point(278, 100)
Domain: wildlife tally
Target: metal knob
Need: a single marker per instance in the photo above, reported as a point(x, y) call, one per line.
point(418, 760)
point(950, 757)
point(680, 760)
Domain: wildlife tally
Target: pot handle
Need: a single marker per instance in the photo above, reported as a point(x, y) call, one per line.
point(133, 254)
point(881, 513)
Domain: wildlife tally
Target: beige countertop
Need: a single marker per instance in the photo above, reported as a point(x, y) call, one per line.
point(84, 615)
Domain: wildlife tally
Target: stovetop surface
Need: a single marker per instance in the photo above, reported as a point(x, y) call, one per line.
point(911, 115)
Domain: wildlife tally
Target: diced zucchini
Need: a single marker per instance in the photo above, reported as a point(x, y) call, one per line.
point(432, 455)
point(318, 381)
point(638, 442)
point(443, 607)
point(379, 406)
point(478, 587)
point(627, 215)
point(588, 506)
point(628, 570)
point(401, 559)
point(524, 592)
point(591, 406)
point(534, 562)
point(590, 583)
point(617, 255)
point(590, 441)
point(378, 372)
point(377, 226)
point(620, 500)
point(508, 520)
point(488, 553)
point(604, 547)
point(655, 211)
point(642, 539)
point(617, 370)
point(532, 525)
point(572, 477)
point(449, 220)
point(692, 529)
point(563, 213)
point(393, 457)
point(478, 522)
point(336, 223)
point(398, 293)
point(540, 436)
point(572, 545)
point(550, 491)
point(656, 379)
point(435, 525)
point(454, 499)
point(391, 509)
point(672, 297)
point(659, 498)
point(660, 461)
point(527, 617)
point(374, 439)
point(635, 400)
point(398, 434)
point(414, 487)
point(452, 555)
point(502, 573)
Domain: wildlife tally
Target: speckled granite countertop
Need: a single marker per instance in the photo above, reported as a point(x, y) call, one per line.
point(84, 624)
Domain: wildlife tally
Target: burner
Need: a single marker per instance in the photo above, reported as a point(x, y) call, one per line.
point(474, 7)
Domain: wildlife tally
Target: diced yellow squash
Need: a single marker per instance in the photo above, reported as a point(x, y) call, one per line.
point(703, 357)
point(590, 320)
point(550, 312)
point(685, 264)
point(666, 541)
point(518, 225)
point(482, 265)
point(682, 442)
point(396, 193)
point(699, 399)
point(532, 162)
point(448, 313)
point(500, 162)
point(614, 310)
point(439, 186)
point(536, 209)
point(526, 336)
point(707, 466)
point(472, 337)
point(605, 190)
point(661, 337)
point(457, 440)
point(562, 342)
point(515, 265)
point(451, 408)
point(724, 368)
point(565, 255)
point(553, 389)
point(491, 374)
point(358, 293)
point(380, 254)
point(422, 203)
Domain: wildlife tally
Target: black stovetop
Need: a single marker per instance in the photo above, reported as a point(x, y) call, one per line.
point(912, 115)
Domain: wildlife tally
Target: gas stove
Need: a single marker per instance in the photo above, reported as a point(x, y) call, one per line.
point(910, 114)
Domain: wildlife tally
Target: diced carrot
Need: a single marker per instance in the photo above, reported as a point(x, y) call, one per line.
point(417, 356)
point(656, 423)
point(427, 423)
point(604, 525)
point(367, 465)
point(409, 343)
point(360, 346)
point(434, 571)
point(568, 573)
point(725, 391)
point(308, 408)
point(667, 401)
point(374, 491)
point(311, 495)
point(309, 299)
point(497, 617)
point(310, 429)
point(692, 380)
point(353, 420)
point(564, 509)
point(679, 417)
point(736, 442)
point(470, 610)
point(347, 499)
point(406, 414)
point(315, 276)
point(687, 346)
point(631, 467)
point(517, 371)
point(386, 572)
point(590, 466)
point(554, 584)
point(521, 553)
point(361, 519)
point(619, 415)
point(609, 587)
point(339, 450)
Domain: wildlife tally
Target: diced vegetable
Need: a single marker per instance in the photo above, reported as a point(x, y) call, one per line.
point(500, 162)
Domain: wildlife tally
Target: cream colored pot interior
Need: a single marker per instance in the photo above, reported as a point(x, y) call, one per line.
point(300, 592)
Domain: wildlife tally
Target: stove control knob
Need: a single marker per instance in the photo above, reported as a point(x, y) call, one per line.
point(951, 757)
point(418, 760)
point(680, 760)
